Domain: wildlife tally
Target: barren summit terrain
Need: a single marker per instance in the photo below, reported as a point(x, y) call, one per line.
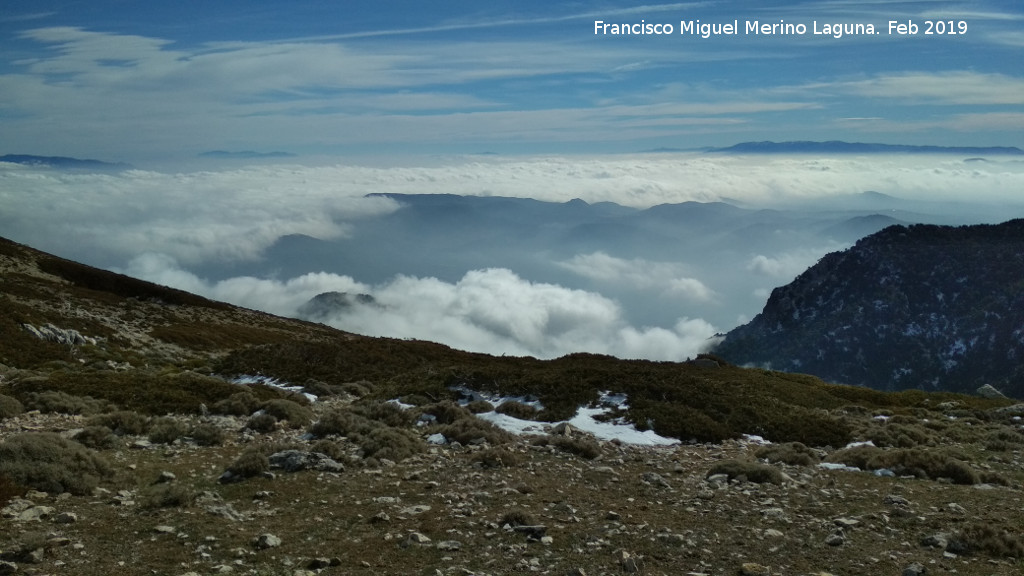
point(145, 430)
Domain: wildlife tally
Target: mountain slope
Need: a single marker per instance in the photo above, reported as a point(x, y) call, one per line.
point(928, 307)
point(127, 441)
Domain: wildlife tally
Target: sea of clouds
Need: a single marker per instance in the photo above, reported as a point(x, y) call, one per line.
point(162, 226)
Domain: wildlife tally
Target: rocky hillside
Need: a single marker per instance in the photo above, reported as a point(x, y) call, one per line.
point(145, 430)
point(926, 307)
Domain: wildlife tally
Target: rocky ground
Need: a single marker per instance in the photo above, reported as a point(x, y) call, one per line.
point(631, 509)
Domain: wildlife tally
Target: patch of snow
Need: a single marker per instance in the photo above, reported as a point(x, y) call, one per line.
point(856, 444)
point(755, 439)
point(585, 419)
point(400, 404)
point(881, 417)
point(838, 466)
point(248, 380)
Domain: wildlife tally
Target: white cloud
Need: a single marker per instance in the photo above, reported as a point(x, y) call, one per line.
point(492, 311)
point(787, 265)
point(637, 273)
point(275, 296)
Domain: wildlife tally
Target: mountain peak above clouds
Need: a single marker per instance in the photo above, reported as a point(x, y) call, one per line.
point(921, 306)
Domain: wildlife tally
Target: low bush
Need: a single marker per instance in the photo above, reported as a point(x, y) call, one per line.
point(169, 495)
point(238, 404)
point(289, 411)
point(165, 430)
point(986, 539)
point(250, 463)
point(480, 406)
point(792, 453)
point(751, 471)
point(470, 430)
point(97, 437)
point(64, 403)
point(122, 422)
point(387, 413)
point(517, 409)
point(47, 462)
point(447, 412)
point(9, 489)
point(9, 407)
point(341, 422)
point(918, 462)
point(206, 434)
point(331, 448)
point(394, 444)
point(262, 422)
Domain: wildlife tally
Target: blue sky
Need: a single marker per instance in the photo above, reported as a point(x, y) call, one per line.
point(146, 82)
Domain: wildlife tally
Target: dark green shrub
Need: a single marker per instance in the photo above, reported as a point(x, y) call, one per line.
point(469, 430)
point(387, 413)
point(446, 412)
point(123, 422)
point(64, 403)
point(9, 489)
point(751, 471)
point(341, 422)
point(358, 389)
point(986, 539)
point(169, 495)
point(515, 518)
point(479, 406)
point(97, 437)
point(9, 407)
point(262, 422)
point(238, 404)
point(47, 462)
point(206, 434)
point(165, 430)
point(925, 464)
point(290, 411)
point(792, 453)
point(517, 409)
point(395, 444)
point(334, 450)
point(251, 462)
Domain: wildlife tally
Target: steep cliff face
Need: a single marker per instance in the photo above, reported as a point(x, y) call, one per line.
point(929, 307)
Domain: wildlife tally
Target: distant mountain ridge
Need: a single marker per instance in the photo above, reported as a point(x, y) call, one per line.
point(928, 307)
point(840, 147)
point(63, 162)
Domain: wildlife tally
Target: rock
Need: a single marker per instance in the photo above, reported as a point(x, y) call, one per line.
point(754, 569)
point(989, 391)
point(437, 439)
point(166, 477)
point(915, 569)
point(380, 517)
point(654, 479)
point(35, 514)
point(7, 568)
point(414, 510)
point(66, 518)
point(164, 529)
point(938, 540)
point(296, 460)
point(449, 545)
point(629, 563)
point(415, 539)
point(835, 539)
point(845, 522)
point(264, 541)
point(773, 533)
point(319, 563)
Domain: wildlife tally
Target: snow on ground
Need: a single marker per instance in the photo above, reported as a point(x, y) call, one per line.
point(248, 380)
point(585, 419)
